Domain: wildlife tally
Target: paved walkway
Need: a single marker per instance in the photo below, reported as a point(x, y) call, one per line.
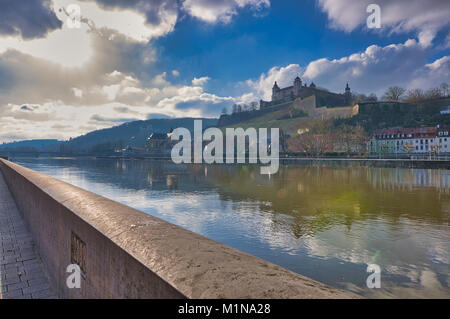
point(21, 274)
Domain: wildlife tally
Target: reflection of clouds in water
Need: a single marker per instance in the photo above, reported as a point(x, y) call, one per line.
point(311, 222)
point(397, 259)
point(186, 210)
point(200, 213)
point(424, 284)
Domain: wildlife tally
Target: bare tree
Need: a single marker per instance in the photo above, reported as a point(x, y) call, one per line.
point(245, 107)
point(372, 97)
point(444, 89)
point(415, 95)
point(350, 139)
point(394, 93)
point(433, 93)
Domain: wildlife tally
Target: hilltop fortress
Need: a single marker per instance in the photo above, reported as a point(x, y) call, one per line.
point(299, 100)
point(317, 102)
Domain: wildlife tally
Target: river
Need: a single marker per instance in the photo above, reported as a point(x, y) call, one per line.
point(327, 223)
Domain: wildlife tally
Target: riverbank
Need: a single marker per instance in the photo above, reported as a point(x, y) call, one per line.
point(369, 162)
point(335, 162)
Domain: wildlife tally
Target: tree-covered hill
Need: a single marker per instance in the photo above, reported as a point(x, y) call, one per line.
point(132, 134)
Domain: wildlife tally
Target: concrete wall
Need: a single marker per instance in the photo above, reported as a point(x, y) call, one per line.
point(126, 253)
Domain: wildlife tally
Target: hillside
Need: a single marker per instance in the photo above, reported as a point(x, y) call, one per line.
point(132, 134)
point(283, 116)
point(47, 145)
point(373, 116)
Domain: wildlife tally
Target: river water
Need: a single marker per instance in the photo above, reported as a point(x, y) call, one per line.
point(327, 223)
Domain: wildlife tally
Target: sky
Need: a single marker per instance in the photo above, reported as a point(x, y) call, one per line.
point(141, 59)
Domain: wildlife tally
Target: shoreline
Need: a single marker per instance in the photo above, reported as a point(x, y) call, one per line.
point(305, 161)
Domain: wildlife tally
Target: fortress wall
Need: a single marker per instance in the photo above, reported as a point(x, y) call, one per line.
point(309, 105)
point(336, 112)
point(323, 98)
point(125, 253)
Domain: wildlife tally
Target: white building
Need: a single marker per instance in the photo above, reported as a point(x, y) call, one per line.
point(446, 111)
point(423, 140)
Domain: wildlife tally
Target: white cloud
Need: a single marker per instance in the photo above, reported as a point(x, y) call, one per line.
point(77, 92)
point(283, 75)
point(193, 101)
point(426, 17)
point(56, 47)
point(200, 81)
point(74, 47)
point(160, 80)
point(78, 107)
point(128, 22)
point(432, 74)
point(59, 120)
point(372, 70)
point(111, 91)
point(221, 10)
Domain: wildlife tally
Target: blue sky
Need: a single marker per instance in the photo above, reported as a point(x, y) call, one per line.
point(289, 32)
point(135, 59)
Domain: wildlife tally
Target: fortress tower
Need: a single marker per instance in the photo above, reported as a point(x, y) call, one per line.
point(348, 95)
point(297, 86)
point(275, 91)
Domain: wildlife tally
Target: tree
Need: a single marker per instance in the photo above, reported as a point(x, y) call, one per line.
point(372, 97)
point(358, 97)
point(444, 89)
point(245, 107)
point(235, 108)
point(224, 111)
point(394, 93)
point(415, 95)
point(433, 93)
point(311, 144)
point(349, 139)
point(315, 141)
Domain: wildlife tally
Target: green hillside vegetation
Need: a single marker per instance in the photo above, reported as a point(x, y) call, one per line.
point(372, 116)
point(283, 116)
point(133, 134)
point(402, 114)
point(45, 145)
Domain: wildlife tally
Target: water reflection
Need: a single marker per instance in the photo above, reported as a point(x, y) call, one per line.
point(326, 223)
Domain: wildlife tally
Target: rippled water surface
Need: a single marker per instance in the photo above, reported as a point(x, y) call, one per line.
point(323, 222)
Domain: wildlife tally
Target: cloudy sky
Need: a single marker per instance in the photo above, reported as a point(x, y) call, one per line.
point(141, 59)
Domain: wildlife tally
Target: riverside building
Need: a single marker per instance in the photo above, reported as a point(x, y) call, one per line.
point(423, 140)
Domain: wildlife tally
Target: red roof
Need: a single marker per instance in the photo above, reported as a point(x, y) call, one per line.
point(404, 132)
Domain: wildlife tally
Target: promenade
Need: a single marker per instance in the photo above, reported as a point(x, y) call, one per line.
point(21, 269)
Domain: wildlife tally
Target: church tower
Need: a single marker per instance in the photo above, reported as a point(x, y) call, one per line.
point(348, 95)
point(275, 90)
point(297, 86)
